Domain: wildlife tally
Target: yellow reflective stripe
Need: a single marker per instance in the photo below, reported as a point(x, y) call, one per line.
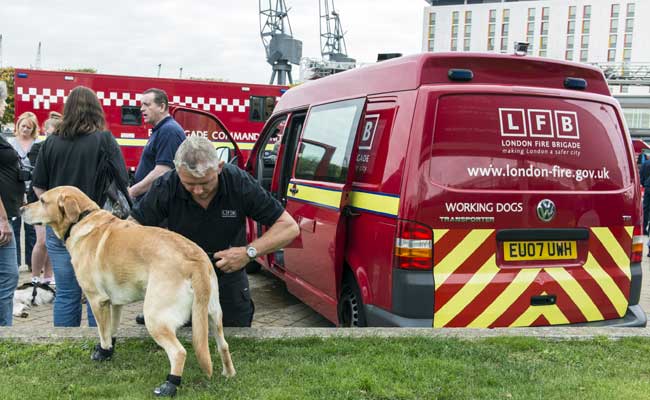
point(330, 198)
point(552, 313)
point(467, 294)
point(459, 254)
point(375, 202)
point(629, 230)
point(577, 294)
point(620, 256)
point(519, 284)
point(131, 142)
point(607, 284)
point(143, 142)
point(438, 234)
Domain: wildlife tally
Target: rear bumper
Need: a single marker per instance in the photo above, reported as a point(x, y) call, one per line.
point(635, 317)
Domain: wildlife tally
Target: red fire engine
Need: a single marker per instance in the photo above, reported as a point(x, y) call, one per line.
point(243, 108)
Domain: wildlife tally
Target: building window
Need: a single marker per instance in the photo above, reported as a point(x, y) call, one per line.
point(545, 13)
point(432, 32)
point(504, 44)
point(568, 55)
point(466, 43)
point(586, 28)
point(468, 31)
point(569, 42)
point(630, 10)
point(468, 17)
point(613, 26)
point(615, 10)
point(586, 12)
point(627, 54)
point(586, 24)
point(572, 12)
point(583, 55)
point(611, 55)
point(628, 41)
point(543, 43)
point(629, 25)
point(490, 44)
point(612, 41)
point(454, 30)
point(637, 118)
point(493, 16)
point(585, 42)
point(544, 30)
point(530, 30)
point(571, 27)
point(505, 19)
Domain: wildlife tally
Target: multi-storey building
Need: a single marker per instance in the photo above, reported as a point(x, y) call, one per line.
point(611, 33)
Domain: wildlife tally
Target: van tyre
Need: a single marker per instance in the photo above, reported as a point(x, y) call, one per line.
point(253, 267)
point(351, 312)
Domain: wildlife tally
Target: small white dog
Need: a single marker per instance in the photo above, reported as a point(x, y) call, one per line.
point(28, 295)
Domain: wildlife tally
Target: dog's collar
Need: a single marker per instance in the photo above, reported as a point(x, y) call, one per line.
point(83, 215)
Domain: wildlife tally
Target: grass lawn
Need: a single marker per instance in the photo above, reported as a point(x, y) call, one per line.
point(340, 368)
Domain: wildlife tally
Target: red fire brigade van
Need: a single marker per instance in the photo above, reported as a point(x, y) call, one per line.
point(457, 190)
point(243, 108)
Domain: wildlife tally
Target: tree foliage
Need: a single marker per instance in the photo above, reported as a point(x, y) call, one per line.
point(7, 75)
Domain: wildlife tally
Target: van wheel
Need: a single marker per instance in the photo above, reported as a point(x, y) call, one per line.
point(351, 314)
point(253, 267)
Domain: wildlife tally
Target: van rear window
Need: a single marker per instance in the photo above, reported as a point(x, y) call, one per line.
point(498, 142)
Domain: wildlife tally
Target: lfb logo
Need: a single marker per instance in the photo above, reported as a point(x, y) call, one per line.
point(522, 122)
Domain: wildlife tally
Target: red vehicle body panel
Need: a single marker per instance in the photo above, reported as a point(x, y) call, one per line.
point(41, 91)
point(516, 157)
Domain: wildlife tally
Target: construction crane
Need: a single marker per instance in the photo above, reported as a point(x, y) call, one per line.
point(282, 49)
point(332, 40)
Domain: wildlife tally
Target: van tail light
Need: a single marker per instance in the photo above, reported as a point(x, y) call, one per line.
point(637, 245)
point(413, 246)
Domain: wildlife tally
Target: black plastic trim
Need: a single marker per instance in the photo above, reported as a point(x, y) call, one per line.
point(542, 234)
point(413, 293)
point(460, 75)
point(575, 83)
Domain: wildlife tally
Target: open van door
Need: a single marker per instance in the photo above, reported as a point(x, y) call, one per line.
point(201, 123)
point(317, 196)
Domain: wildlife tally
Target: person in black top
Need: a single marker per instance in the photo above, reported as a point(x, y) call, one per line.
point(11, 195)
point(71, 157)
point(208, 201)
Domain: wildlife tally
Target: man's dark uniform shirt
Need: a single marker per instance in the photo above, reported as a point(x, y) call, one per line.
point(220, 226)
point(165, 138)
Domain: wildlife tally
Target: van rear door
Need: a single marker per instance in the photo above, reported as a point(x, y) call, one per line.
point(533, 202)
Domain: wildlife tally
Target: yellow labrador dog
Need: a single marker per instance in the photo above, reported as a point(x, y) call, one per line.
point(119, 262)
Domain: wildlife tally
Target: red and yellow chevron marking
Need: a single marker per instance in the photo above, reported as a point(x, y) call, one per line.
point(471, 290)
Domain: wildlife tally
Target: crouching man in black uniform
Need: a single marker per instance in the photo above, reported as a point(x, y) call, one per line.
point(207, 201)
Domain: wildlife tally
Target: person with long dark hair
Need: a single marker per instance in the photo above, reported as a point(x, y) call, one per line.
point(11, 194)
point(70, 156)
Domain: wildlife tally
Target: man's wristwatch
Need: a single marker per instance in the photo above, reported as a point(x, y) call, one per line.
point(251, 252)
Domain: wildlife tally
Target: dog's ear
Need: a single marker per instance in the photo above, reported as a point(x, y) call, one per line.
point(70, 208)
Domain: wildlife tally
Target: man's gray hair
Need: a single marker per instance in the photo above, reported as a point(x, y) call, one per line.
point(197, 156)
point(3, 90)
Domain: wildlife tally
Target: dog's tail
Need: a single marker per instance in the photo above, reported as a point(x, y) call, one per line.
point(202, 296)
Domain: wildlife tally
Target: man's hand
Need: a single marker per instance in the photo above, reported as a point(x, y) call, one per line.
point(232, 259)
point(6, 233)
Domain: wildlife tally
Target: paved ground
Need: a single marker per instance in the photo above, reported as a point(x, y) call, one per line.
point(275, 307)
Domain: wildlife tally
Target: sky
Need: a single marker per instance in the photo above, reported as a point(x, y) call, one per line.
point(208, 39)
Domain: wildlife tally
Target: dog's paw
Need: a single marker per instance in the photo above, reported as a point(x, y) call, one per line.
point(100, 354)
point(228, 373)
point(167, 389)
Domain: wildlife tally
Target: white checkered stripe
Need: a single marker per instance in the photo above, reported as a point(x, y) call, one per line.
point(44, 98)
point(212, 104)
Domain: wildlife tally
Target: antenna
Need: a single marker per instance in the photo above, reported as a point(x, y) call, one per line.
point(280, 46)
point(180, 72)
point(159, 66)
point(37, 63)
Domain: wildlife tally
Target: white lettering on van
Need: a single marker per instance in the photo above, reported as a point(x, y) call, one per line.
point(511, 125)
point(462, 207)
point(515, 120)
point(369, 128)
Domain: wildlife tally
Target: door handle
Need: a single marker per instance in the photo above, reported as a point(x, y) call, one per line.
point(294, 190)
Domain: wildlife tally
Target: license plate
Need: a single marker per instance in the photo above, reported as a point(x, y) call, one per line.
point(540, 250)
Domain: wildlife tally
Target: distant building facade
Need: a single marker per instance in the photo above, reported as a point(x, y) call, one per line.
point(615, 34)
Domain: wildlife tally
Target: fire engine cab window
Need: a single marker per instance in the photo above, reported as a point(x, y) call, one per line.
point(324, 152)
point(261, 107)
point(131, 116)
